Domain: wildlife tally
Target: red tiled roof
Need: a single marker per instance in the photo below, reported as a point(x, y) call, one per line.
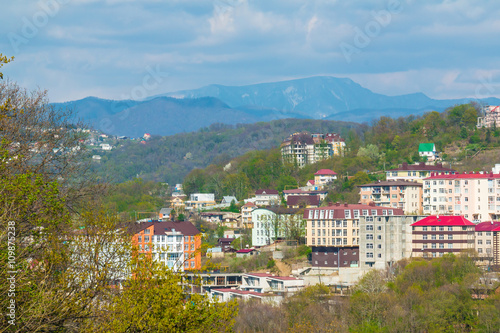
point(443, 220)
point(266, 192)
point(325, 172)
point(249, 204)
point(465, 176)
point(311, 182)
point(245, 250)
point(487, 226)
point(393, 183)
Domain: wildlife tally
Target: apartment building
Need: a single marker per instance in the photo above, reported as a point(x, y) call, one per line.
point(416, 172)
point(491, 116)
point(304, 148)
point(333, 232)
point(272, 223)
point(176, 244)
point(435, 235)
point(476, 196)
point(485, 242)
point(266, 197)
point(265, 282)
point(323, 177)
point(384, 240)
point(403, 194)
point(246, 214)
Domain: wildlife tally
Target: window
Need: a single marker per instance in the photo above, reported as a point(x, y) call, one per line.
point(424, 228)
point(192, 247)
point(450, 245)
point(192, 264)
point(433, 245)
point(441, 245)
point(186, 239)
point(441, 228)
point(146, 239)
point(433, 236)
point(147, 231)
point(488, 242)
point(433, 228)
point(369, 254)
point(139, 239)
point(369, 245)
point(480, 242)
point(479, 250)
point(441, 237)
point(450, 237)
point(379, 237)
point(379, 246)
point(369, 227)
point(347, 214)
point(369, 236)
point(424, 237)
point(379, 228)
point(450, 228)
point(379, 255)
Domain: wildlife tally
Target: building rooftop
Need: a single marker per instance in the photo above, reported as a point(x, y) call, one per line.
point(487, 226)
point(425, 147)
point(304, 200)
point(422, 167)
point(339, 210)
point(184, 227)
point(443, 220)
point(393, 183)
point(325, 172)
point(264, 192)
point(465, 175)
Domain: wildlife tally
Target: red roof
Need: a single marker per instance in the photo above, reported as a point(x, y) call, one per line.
point(266, 192)
point(311, 182)
point(470, 175)
point(184, 227)
point(249, 204)
point(443, 220)
point(325, 172)
point(487, 226)
point(308, 200)
point(245, 250)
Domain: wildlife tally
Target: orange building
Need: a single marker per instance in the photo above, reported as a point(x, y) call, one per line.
point(177, 244)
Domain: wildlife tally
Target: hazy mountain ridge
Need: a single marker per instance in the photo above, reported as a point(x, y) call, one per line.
point(320, 97)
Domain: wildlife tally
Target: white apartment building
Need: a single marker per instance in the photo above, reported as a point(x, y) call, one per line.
point(476, 196)
point(269, 224)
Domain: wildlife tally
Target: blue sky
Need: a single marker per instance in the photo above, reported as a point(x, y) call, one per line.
point(126, 48)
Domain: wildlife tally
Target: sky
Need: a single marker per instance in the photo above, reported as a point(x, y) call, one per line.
point(131, 49)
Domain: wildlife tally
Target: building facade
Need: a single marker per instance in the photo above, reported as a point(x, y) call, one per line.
point(485, 242)
point(384, 240)
point(199, 201)
point(476, 196)
point(436, 235)
point(416, 172)
point(272, 223)
point(403, 194)
point(175, 244)
point(304, 148)
point(491, 116)
point(333, 232)
point(246, 214)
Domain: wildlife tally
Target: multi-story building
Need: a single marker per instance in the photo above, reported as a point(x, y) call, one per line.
point(416, 172)
point(264, 282)
point(491, 116)
point(265, 197)
point(324, 177)
point(474, 195)
point(436, 235)
point(384, 240)
point(403, 194)
point(272, 223)
point(299, 192)
point(333, 232)
point(176, 244)
point(485, 242)
point(177, 201)
point(200, 201)
point(246, 214)
point(304, 148)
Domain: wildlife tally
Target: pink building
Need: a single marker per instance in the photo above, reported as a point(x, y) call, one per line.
point(406, 195)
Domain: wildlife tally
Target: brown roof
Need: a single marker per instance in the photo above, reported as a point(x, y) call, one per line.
point(266, 192)
point(304, 200)
point(422, 167)
point(281, 210)
point(393, 183)
point(338, 210)
point(487, 226)
point(184, 227)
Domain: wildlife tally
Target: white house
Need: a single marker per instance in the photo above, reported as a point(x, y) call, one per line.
point(265, 198)
point(264, 282)
point(427, 150)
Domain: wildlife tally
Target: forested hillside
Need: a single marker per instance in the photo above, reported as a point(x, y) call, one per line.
point(384, 145)
point(169, 159)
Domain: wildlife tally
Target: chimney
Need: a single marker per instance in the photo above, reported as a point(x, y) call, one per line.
point(422, 164)
point(345, 204)
point(337, 204)
point(405, 166)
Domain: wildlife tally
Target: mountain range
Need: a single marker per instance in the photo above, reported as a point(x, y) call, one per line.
point(320, 97)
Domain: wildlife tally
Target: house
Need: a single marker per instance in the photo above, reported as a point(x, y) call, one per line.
point(403, 194)
point(215, 252)
point(246, 214)
point(106, 146)
point(265, 282)
point(475, 195)
point(384, 240)
point(176, 244)
point(226, 200)
point(177, 201)
point(225, 243)
point(416, 172)
point(435, 235)
point(213, 217)
point(303, 201)
point(427, 151)
point(332, 232)
point(246, 252)
point(305, 148)
point(273, 223)
point(165, 213)
point(265, 197)
point(323, 177)
point(485, 245)
point(198, 201)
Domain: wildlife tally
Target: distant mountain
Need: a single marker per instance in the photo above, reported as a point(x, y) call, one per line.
point(320, 97)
